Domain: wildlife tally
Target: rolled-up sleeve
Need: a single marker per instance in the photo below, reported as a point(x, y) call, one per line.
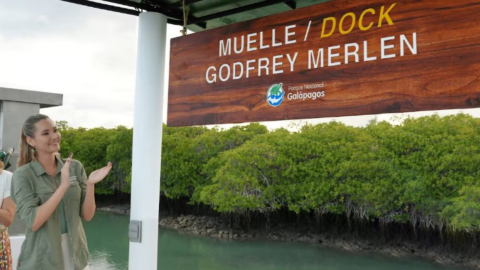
point(25, 198)
point(7, 187)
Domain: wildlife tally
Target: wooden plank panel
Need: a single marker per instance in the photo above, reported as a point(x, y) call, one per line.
point(431, 61)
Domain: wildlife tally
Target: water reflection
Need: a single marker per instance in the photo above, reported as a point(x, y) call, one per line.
point(102, 260)
point(107, 238)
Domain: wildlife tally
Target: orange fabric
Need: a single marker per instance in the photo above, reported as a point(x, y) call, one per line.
point(5, 252)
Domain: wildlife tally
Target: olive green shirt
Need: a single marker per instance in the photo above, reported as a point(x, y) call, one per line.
point(32, 187)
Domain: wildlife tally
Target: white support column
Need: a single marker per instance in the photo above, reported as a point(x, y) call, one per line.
point(147, 138)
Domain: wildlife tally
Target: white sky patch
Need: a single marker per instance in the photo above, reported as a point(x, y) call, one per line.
point(43, 19)
point(91, 62)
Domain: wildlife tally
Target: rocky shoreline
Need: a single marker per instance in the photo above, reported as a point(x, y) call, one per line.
point(119, 209)
point(218, 228)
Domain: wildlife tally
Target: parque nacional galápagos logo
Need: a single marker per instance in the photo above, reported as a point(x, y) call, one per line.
point(275, 94)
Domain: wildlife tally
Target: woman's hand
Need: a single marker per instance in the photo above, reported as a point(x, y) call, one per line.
point(65, 172)
point(99, 174)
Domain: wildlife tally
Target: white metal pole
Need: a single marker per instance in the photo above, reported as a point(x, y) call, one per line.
point(147, 138)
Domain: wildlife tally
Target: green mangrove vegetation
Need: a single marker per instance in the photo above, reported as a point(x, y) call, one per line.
point(420, 177)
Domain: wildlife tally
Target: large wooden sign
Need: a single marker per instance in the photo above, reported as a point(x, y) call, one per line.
point(344, 57)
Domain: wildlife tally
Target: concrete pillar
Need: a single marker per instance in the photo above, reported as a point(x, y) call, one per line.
point(12, 115)
point(147, 138)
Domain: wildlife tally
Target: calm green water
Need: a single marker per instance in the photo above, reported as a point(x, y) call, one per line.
point(108, 243)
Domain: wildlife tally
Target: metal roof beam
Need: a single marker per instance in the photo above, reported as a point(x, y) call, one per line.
point(178, 15)
point(180, 3)
point(174, 19)
point(156, 6)
point(119, 10)
point(292, 4)
point(261, 4)
point(172, 11)
point(131, 4)
point(104, 7)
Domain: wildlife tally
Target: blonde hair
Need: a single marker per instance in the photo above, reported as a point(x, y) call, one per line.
point(2, 166)
point(28, 130)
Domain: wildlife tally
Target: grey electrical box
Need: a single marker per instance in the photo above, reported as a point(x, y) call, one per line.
point(135, 231)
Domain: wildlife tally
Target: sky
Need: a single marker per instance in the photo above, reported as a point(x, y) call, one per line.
point(89, 56)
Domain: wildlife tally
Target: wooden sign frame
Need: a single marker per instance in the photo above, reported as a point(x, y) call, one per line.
point(333, 59)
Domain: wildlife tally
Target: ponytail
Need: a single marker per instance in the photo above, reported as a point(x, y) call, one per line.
point(27, 152)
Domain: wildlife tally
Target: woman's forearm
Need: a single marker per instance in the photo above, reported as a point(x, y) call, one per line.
point(6, 217)
point(45, 210)
point(88, 207)
point(7, 212)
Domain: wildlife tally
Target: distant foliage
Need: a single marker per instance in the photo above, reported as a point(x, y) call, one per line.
point(424, 172)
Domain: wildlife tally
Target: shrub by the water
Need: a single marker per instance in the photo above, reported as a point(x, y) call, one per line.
point(423, 173)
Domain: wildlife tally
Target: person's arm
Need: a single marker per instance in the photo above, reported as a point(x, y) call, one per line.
point(29, 210)
point(46, 210)
point(89, 206)
point(88, 186)
point(7, 212)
